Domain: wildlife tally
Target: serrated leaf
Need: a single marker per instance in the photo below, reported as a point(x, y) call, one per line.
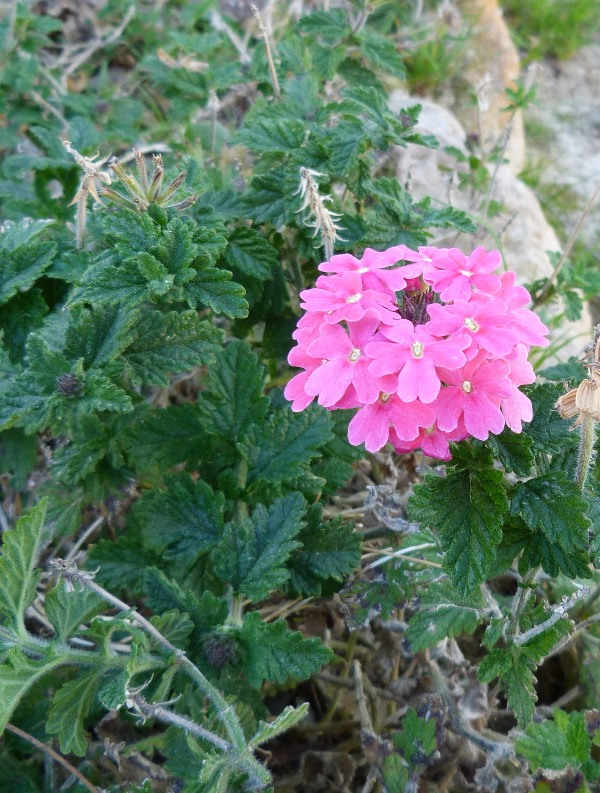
point(70, 705)
point(514, 667)
point(272, 136)
point(98, 334)
point(468, 508)
point(17, 676)
point(68, 608)
point(122, 564)
point(183, 520)
point(177, 248)
point(214, 288)
point(166, 437)
point(252, 553)
point(279, 448)
point(112, 692)
point(175, 626)
point(513, 451)
point(264, 201)
point(287, 719)
point(553, 505)
point(22, 266)
point(168, 344)
point(330, 26)
point(250, 253)
point(555, 745)
point(548, 431)
point(21, 549)
point(18, 456)
point(329, 550)
point(276, 654)
point(416, 740)
point(381, 52)
point(443, 613)
point(233, 399)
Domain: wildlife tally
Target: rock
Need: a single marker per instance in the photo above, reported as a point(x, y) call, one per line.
point(491, 64)
point(519, 230)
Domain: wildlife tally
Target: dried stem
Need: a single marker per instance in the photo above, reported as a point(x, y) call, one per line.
point(265, 37)
point(567, 250)
point(223, 708)
point(55, 756)
point(323, 220)
point(160, 713)
point(586, 449)
point(558, 613)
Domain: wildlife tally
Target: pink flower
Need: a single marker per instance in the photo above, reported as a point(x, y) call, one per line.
point(415, 354)
point(474, 393)
point(371, 425)
point(431, 440)
point(343, 297)
point(518, 408)
point(345, 362)
point(528, 327)
point(295, 389)
point(455, 275)
point(485, 322)
point(372, 268)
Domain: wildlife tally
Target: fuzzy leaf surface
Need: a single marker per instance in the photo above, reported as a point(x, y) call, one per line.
point(467, 508)
point(275, 653)
point(70, 705)
point(443, 613)
point(252, 553)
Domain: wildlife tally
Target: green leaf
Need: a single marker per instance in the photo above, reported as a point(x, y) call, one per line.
point(443, 613)
point(548, 431)
point(553, 505)
point(416, 740)
point(330, 26)
point(514, 451)
point(271, 136)
point(168, 344)
point(22, 266)
point(381, 52)
point(252, 553)
point(264, 201)
point(214, 288)
point(21, 549)
point(17, 676)
point(287, 719)
point(18, 456)
point(122, 564)
point(175, 626)
point(279, 448)
point(249, 253)
point(395, 772)
point(467, 507)
point(233, 398)
point(98, 334)
point(276, 654)
point(68, 608)
point(514, 667)
point(181, 521)
point(166, 437)
point(70, 705)
point(555, 745)
point(329, 551)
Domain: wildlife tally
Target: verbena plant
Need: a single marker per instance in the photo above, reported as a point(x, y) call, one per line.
point(144, 355)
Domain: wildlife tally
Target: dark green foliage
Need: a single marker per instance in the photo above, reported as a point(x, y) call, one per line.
point(467, 507)
point(443, 613)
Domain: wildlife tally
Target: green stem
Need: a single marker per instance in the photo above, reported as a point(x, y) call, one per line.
point(586, 450)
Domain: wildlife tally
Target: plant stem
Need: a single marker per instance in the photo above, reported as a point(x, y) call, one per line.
point(520, 602)
point(265, 37)
point(168, 717)
point(224, 709)
point(586, 449)
point(55, 755)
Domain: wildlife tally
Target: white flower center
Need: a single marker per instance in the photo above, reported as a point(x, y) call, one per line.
point(417, 349)
point(383, 397)
point(363, 270)
point(354, 298)
point(471, 324)
point(466, 273)
point(467, 386)
point(355, 354)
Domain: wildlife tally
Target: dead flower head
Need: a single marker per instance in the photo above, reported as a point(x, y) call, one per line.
point(584, 401)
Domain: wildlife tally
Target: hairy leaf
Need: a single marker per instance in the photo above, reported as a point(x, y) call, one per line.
point(275, 653)
point(467, 507)
point(514, 667)
point(443, 613)
point(252, 553)
point(70, 705)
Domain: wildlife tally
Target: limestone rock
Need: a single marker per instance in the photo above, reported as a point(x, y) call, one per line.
point(520, 230)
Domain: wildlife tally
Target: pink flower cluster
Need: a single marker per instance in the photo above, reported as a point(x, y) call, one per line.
point(431, 351)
